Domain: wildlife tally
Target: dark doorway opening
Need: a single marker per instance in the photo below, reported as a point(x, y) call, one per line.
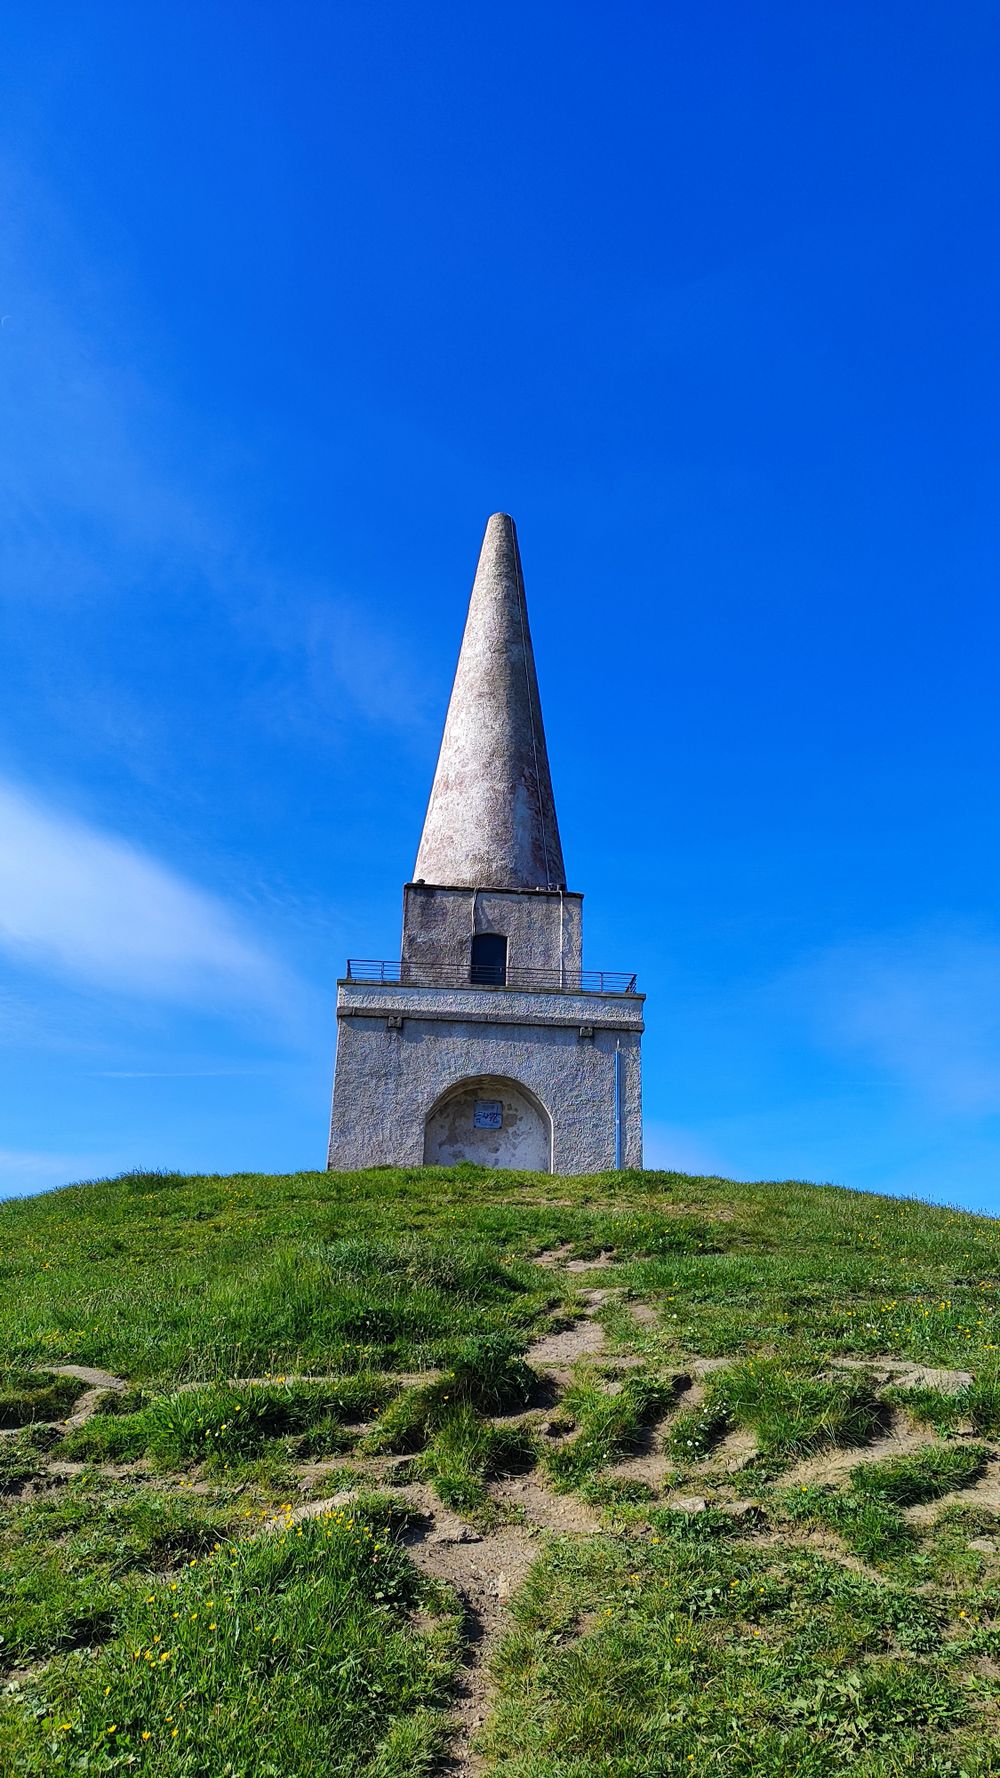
point(489, 959)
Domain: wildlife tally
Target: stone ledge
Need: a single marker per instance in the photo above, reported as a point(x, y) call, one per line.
point(487, 1018)
point(492, 1006)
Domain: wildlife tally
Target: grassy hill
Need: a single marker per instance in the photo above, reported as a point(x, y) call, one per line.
point(392, 1473)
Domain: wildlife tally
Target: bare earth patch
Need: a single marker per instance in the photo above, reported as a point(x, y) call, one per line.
point(560, 1351)
point(544, 1510)
point(835, 1465)
point(644, 1314)
point(906, 1373)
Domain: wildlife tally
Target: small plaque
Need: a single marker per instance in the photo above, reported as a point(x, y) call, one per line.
point(488, 1114)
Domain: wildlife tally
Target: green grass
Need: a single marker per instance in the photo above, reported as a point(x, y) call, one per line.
point(921, 1475)
point(26, 1396)
point(832, 1630)
point(70, 1558)
point(291, 1653)
point(608, 1426)
point(464, 1451)
point(792, 1409)
point(976, 1406)
point(165, 1279)
point(695, 1432)
point(869, 1525)
point(488, 1373)
point(226, 1424)
point(723, 1660)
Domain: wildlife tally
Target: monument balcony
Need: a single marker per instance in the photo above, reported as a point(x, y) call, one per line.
point(410, 973)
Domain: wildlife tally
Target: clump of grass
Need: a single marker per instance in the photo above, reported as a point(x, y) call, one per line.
point(142, 1181)
point(471, 1271)
point(976, 1405)
point(26, 1396)
point(694, 1432)
point(490, 1372)
point(794, 1408)
point(921, 1475)
point(609, 1426)
point(669, 1525)
point(24, 1456)
point(981, 1401)
point(489, 1375)
point(291, 1653)
point(466, 1450)
point(940, 1409)
point(869, 1524)
point(126, 1401)
point(230, 1423)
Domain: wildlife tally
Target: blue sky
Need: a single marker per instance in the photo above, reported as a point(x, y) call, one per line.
point(293, 298)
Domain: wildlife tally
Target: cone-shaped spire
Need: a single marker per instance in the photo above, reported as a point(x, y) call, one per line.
point(491, 820)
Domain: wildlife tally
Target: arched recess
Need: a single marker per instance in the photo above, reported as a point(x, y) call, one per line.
point(492, 1121)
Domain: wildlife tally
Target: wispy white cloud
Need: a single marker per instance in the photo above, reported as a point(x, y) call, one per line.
point(99, 506)
point(331, 659)
point(23, 1171)
point(923, 1009)
point(173, 1073)
point(88, 906)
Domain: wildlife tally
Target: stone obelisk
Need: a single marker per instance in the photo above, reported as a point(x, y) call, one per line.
point(486, 1040)
point(491, 819)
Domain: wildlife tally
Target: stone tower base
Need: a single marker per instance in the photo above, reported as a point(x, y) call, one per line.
point(505, 1077)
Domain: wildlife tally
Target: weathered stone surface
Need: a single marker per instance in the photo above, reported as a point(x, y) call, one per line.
point(521, 1069)
point(390, 1082)
point(504, 1006)
point(491, 819)
point(544, 930)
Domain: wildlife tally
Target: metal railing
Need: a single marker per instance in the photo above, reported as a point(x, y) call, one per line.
point(415, 974)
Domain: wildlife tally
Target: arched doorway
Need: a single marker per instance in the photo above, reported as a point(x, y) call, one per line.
point(492, 1121)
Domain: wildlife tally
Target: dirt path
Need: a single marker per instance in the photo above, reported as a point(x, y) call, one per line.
point(100, 1383)
point(485, 1567)
point(907, 1373)
point(484, 1570)
point(555, 1354)
point(835, 1464)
